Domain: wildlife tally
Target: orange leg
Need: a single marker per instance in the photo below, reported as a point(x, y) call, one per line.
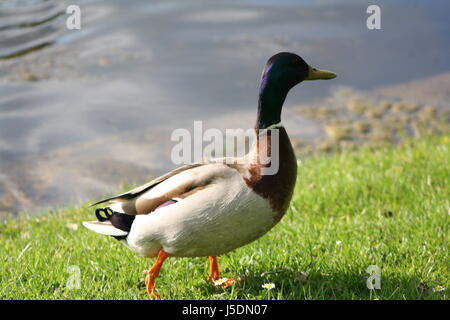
point(213, 269)
point(214, 274)
point(154, 272)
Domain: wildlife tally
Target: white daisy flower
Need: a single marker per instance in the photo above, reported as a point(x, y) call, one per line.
point(339, 243)
point(220, 281)
point(268, 286)
point(438, 289)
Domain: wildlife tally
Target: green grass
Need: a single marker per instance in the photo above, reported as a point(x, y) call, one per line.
point(387, 207)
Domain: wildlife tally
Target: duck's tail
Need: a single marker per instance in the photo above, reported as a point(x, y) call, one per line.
point(112, 223)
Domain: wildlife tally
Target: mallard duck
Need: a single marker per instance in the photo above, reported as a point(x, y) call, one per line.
point(211, 208)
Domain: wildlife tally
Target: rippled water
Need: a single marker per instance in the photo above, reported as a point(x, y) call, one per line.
point(27, 26)
point(83, 110)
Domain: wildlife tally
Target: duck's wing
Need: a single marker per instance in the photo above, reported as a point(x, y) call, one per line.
point(145, 187)
point(177, 184)
point(193, 187)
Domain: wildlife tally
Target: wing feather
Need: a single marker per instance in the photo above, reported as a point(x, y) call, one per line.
point(136, 192)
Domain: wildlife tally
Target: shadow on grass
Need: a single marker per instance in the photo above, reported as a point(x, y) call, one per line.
point(292, 285)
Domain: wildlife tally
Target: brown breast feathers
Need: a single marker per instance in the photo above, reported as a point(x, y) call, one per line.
point(276, 188)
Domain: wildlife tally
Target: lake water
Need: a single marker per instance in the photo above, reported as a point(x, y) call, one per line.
point(83, 110)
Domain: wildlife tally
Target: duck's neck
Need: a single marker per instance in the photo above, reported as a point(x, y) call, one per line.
point(270, 103)
point(271, 99)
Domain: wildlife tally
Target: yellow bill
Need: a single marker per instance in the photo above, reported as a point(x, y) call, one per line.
point(316, 74)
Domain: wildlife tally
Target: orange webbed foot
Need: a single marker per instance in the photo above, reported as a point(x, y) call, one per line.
point(153, 273)
point(225, 282)
point(214, 275)
point(150, 284)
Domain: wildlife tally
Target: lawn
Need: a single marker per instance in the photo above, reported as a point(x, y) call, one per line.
point(387, 207)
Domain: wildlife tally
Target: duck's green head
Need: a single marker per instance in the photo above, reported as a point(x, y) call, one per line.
point(286, 70)
point(281, 73)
